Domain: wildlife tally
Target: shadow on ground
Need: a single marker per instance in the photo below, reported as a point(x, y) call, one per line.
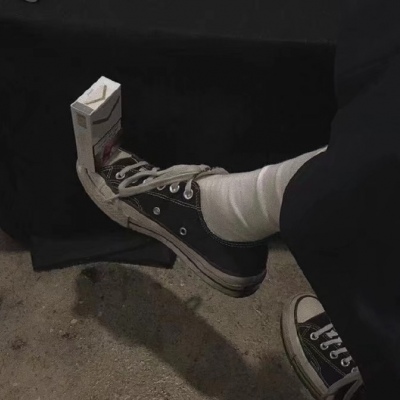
point(139, 311)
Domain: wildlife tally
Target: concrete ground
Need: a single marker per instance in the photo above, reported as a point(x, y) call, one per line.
point(114, 332)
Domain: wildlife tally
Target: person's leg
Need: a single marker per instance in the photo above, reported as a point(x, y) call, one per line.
point(340, 214)
point(345, 236)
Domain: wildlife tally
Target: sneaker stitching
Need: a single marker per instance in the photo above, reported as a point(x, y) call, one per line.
point(114, 181)
point(136, 202)
point(197, 207)
point(173, 233)
point(128, 199)
point(316, 328)
point(200, 215)
point(311, 325)
point(308, 345)
point(165, 197)
point(328, 361)
point(318, 369)
point(169, 229)
point(133, 198)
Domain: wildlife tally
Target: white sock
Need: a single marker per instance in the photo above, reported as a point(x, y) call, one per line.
point(245, 207)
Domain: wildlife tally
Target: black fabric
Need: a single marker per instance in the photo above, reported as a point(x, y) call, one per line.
point(231, 84)
point(340, 213)
point(42, 202)
point(273, 21)
point(112, 246)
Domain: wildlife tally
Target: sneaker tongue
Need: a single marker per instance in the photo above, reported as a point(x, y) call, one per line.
point(124, 162)
point(320, 320)
point(123, 159)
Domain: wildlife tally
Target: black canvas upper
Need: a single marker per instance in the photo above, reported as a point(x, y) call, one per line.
point(329, 370)
point(236, 259)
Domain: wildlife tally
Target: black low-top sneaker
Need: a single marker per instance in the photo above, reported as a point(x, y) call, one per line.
point(166, 205)
point(348, 388)
point(316, 351)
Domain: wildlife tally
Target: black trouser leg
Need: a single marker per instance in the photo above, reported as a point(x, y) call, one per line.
point(344, 232)
point(341, 212)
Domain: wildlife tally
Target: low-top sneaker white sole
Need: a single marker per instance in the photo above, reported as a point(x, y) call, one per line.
point(166, 205)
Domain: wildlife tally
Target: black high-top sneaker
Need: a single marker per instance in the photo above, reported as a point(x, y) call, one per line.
point(166, 205)
point(317, 352)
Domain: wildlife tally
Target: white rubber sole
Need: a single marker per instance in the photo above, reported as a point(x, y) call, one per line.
point(128, 217)
point(295, 352)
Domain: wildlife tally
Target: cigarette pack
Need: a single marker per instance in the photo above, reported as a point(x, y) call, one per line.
point(96, 118)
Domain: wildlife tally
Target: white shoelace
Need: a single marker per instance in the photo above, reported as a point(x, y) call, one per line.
point(156, 178)
point(334, 339)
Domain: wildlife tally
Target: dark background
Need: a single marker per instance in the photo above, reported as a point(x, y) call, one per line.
point(234, 84)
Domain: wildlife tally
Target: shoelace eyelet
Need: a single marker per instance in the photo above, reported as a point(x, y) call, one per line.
point(119, 176)
point(188, 195)
point(156, 211)
point(323, 346)
point(314, 336)
point(160, 188)
point(174, 189)
point(333, 355)
point(183, 231)
point(345, 363)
